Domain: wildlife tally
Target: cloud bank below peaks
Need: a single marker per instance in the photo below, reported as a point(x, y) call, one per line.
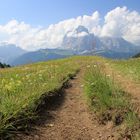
point(119, 22)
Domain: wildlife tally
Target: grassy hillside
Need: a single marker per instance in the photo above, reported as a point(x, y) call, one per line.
point(109, 101)
point(41, 55)
point(22, 89)
point(130, 67)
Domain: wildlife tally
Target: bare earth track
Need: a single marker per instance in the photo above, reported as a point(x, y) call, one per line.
point(128, 85)
point(71, 119)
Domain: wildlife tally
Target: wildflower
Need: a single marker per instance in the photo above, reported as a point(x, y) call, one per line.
point(11, 79)
point(88, 66)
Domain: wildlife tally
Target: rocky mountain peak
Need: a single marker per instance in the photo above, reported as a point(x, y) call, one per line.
point(81, 28)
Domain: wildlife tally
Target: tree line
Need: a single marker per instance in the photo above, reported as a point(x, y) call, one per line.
point(3, 65)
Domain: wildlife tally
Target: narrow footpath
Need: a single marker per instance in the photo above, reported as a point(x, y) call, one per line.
point(71, 119)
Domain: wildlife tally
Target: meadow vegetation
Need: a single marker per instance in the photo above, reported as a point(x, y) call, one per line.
point(130, 67)
point(109, 101)
point(21, 89)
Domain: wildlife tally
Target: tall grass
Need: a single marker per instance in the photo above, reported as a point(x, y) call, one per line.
point(99, 86)
point(129, 67)
point(108, 101)
point(21, 87)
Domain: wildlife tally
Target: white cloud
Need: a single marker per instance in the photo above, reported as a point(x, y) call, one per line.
point(120, 22)
point(20, 34)
point(31, 38)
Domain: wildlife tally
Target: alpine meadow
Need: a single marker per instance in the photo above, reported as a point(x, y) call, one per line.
point(69, 70)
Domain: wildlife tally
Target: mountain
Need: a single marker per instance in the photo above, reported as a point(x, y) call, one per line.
point(42, 55)
point(80, 40)
point(117, 44)
point(8, 52)
point(117, 48)
point(113, 54)
point(85, 43)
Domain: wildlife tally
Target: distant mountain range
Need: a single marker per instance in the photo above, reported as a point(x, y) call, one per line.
point(75, 42)
point(85, 43)
point(9, 52)
point(42, 55)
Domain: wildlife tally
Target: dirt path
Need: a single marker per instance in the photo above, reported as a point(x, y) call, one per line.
point(72, 119)
point(128, 85)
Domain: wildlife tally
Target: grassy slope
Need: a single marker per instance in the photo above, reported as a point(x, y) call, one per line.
point(130, 67)
point(21, 87)
point(109, 101)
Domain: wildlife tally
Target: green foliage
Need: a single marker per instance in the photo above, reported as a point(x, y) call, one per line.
point(130, 67)
point(108, 101)
point(102, 92)
point(21, 87)
point(4, 65)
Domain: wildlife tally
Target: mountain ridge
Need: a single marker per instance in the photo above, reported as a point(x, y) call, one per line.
point(42, 55)
point(9, 52)
point(80, 41)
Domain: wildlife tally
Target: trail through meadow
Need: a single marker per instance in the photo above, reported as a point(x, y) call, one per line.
point(71, 119)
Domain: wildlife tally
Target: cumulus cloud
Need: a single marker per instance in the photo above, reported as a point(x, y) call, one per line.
point(120, 22)
point(19, 33)
point(27, 37)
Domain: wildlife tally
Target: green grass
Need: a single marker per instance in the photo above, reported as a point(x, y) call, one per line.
point(130, 67)
point(108, 101)
point(21, 87)
point(102, 88)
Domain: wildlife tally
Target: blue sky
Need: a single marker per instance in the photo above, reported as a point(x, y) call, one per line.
point(35, 24)
point(46, 12)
